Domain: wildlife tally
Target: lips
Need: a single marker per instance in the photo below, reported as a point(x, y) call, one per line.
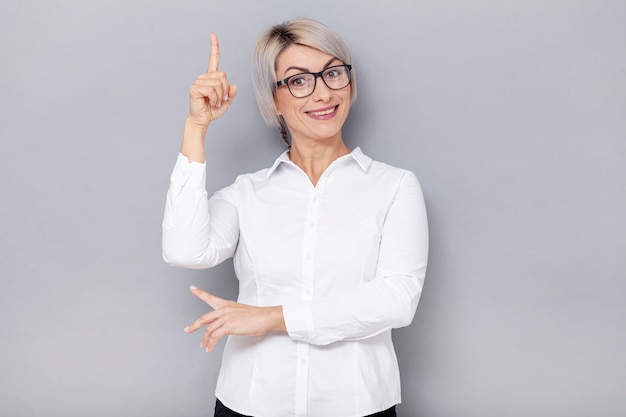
point(324, 113)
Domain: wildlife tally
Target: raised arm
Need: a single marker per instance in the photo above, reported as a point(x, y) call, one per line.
point(198, 233)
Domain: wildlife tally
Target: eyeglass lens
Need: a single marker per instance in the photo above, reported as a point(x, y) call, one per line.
point(335, 78)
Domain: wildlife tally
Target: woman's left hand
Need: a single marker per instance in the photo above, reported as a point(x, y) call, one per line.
point(233, 318)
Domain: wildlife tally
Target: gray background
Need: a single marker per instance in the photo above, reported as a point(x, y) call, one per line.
point(511, 113)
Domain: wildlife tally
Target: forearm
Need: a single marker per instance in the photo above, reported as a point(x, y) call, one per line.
point(193, 141)
point(378, 306)
point(185, 238)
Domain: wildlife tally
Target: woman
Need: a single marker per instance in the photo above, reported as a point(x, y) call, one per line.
point(329, 247)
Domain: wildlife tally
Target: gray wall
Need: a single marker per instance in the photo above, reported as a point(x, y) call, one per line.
point(511, 113)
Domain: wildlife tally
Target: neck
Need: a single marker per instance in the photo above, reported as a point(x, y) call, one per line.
point(314, 158)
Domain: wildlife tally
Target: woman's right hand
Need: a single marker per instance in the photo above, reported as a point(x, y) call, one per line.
point(211, 94)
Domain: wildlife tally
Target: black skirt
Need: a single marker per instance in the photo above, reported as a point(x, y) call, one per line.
point(222, 411)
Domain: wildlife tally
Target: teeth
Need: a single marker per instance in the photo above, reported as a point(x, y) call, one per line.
point(322, 113)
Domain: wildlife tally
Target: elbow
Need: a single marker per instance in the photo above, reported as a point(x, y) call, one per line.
point(172, 258)
point(179, 250)
point(405, 306)
point(177, 256)
point(193, 256)
point(403, 316)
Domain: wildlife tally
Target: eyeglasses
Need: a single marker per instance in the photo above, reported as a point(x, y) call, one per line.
point(303, 85)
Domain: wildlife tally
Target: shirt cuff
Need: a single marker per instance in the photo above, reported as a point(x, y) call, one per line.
point(299, 320)
point(190, 174)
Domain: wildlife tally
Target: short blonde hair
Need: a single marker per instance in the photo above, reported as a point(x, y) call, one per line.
point(275, 40)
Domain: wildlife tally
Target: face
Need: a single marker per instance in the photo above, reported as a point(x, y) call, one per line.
point(321, 115)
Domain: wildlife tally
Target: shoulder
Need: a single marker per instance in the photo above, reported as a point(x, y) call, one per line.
point(262, 175)
point(245, 180)
point(392, 175)
point(246, 183)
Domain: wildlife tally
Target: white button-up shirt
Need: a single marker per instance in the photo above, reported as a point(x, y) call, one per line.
point(345, 258)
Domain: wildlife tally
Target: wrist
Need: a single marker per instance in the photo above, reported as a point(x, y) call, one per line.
point(277, 319)
point(193, 128)
point(193, 141)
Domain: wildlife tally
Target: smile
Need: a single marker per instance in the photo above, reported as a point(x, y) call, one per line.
point(324, 112)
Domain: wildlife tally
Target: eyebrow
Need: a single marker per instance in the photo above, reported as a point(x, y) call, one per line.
point(301, 69)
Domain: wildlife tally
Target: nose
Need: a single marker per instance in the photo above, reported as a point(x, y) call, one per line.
point(320, 90)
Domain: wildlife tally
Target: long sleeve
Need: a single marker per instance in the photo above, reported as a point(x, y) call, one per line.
point(390, 299)
point(197, 233)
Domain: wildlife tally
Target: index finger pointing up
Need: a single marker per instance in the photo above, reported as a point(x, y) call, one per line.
point(214, 59)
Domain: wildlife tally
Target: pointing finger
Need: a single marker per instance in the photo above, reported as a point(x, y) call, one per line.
point(214, 58)
point(210, 299)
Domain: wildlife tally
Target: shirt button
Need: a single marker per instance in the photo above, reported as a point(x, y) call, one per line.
point(312, 225)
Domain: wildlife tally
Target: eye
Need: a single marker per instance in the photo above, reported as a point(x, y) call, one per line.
point(298, 81)
point(333, 73)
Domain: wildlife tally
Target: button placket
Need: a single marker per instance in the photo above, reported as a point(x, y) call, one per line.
point(310, 233)
point(306, 294)
point(302, 378)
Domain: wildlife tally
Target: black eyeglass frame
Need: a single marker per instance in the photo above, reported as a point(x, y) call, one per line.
point(315, 76)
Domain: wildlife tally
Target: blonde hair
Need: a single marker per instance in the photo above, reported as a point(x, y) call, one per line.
point(275, 40)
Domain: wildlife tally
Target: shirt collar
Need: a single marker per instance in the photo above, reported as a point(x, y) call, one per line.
point(363, 160)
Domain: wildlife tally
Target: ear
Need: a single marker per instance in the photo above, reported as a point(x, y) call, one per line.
point(278, 112)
